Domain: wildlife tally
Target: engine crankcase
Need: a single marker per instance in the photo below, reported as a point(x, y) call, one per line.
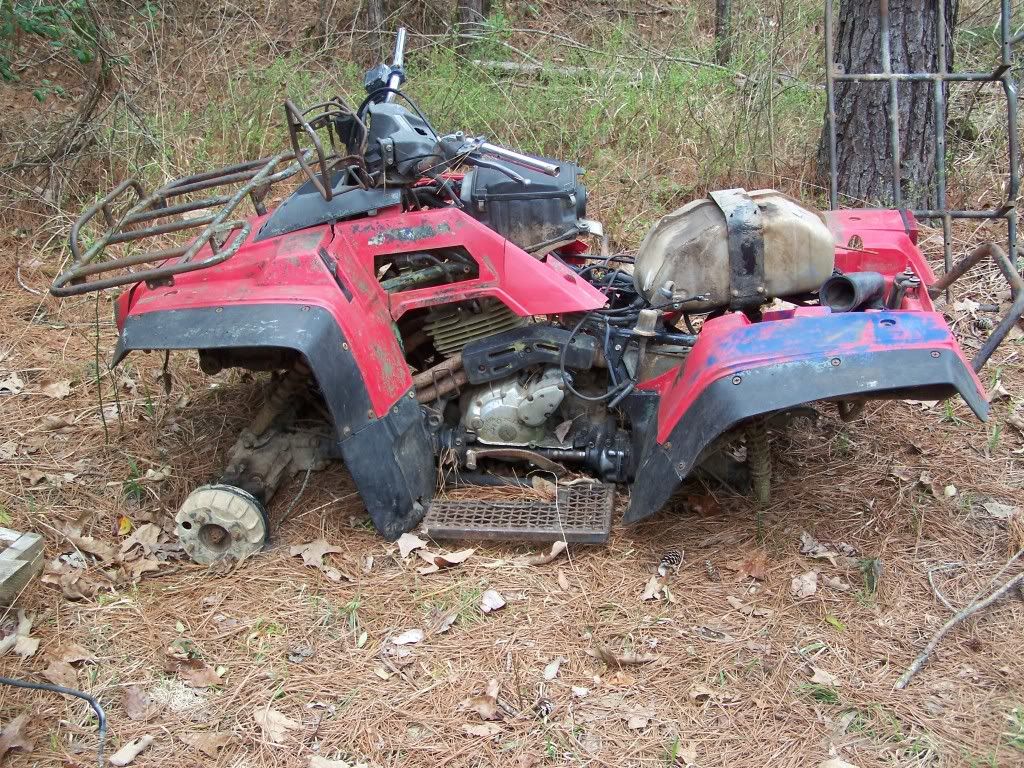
point(514, 411)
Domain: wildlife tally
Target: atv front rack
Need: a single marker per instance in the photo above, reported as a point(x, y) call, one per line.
point(221, 234)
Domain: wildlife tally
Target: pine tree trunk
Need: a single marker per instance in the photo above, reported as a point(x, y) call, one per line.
point(375, 25)
point(472, 14)
point(864, 156)
point(723, 31)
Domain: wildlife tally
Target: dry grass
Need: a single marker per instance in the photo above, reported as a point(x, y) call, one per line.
point(732, 687)
point(840, 482)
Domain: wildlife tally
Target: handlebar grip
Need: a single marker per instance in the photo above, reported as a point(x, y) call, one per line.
point(541, 166)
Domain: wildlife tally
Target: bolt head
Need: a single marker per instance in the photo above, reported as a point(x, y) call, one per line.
point(737, 379)
point(835, 361)
point(935, 353)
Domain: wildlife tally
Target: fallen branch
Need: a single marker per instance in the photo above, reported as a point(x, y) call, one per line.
point(970, 610)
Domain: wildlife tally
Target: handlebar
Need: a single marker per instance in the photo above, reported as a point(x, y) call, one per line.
point(541, 166)
point(397, 60)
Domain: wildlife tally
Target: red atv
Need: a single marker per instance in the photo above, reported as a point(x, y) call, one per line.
point(430, 310)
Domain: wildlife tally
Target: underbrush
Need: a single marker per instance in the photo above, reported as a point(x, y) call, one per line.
point(634, 98)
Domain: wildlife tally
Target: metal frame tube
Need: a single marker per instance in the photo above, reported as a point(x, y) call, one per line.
point(940, 211)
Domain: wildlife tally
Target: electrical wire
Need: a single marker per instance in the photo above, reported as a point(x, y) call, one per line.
point(101, 716)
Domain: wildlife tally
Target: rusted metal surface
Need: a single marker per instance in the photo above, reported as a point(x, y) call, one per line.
point(219, 234)
point(580, 513)
point(1008, 269)
point(1002, 74)
point(325, 115)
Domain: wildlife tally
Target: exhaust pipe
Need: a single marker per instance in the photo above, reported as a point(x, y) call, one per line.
point(853, 291)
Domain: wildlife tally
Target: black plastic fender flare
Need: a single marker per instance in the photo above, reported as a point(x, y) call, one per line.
point(893, 374)
point(390, 458)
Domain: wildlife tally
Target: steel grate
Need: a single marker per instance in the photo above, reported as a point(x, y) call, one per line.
point(581, 513)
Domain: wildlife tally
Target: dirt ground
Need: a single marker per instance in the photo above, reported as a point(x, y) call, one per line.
point(275, 662)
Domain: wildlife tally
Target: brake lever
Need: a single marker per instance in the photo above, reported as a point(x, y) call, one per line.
point(479, 162)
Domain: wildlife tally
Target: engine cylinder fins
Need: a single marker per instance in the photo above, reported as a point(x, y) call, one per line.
point(219, 521)
point(452, 328)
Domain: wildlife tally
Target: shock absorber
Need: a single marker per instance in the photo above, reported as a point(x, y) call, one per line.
point(759, 460)
point(280, 397)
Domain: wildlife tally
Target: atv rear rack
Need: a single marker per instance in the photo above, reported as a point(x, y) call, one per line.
point(224, 236)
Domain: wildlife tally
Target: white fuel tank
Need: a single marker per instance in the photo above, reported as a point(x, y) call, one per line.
point(689, 250)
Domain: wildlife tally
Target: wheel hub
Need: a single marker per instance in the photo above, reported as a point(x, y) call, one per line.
point(219, 521)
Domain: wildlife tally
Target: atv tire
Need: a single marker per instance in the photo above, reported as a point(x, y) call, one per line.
point(220, 521)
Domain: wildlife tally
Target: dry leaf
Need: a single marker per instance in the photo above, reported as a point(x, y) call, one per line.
point(408, 637)
point(811, 547)
point(619, 679)
point(482, 729)
point(98, 549)
point(32, 476)
point(131, 750)
point(834, 582)
point(313, 552)
point(13, 737)
point(638, 721)
point(557, 548)
point(138, 705)
point(56, 423)
point(998, 510)
point(657, 587)
point(836, 762)
point(20, 640)
point(409, 543)
point(439, 561)
point(491, 600)
point(748, 610)
point(72, 653)
point(208, 743)
point(12, 385)
point(755, 566)
point(485, 705)
point(703, 504)
point(804, 585)
point(580, 692)
point(614, 660)
point(544, 487)
point(687, 753)
point(8, 450)
point(316, 761)
point(145, 536)
point(274, 724)
point(143, 565)
point(701, 694)
point(441, 621)
point(58, 390)
point(72, 583)
point(562, 430)
point(61, 673)
point(563, 581)
point(821, 677)
point(198, 674)
point(551, 670)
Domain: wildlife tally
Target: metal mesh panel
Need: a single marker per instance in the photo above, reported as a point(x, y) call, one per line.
point(581, 513)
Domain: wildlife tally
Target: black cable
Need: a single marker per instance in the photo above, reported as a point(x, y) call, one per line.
point(565, 376)
point(101, 716)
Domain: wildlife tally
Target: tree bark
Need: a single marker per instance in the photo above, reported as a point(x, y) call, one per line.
point(864, 161)
point(723, 31)
point(375, 24)
point(472, 15)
